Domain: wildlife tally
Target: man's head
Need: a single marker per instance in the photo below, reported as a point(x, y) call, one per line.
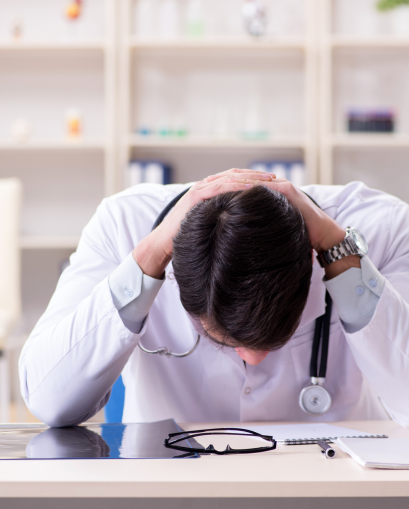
point(243, 264)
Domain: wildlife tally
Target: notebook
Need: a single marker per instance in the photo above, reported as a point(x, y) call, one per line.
point(297, 434)
point(391, 453)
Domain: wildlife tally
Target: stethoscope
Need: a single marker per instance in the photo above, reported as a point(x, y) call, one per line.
point(163, 350)
point(314, 399)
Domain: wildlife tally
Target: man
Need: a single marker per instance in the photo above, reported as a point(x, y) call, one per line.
point(244, 277)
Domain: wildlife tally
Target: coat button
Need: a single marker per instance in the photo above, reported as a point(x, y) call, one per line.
point(359, 290)
point(247, 390)
point(373, 283)
point(128, 292)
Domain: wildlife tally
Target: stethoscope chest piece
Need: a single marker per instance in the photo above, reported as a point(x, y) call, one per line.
point(315, 399)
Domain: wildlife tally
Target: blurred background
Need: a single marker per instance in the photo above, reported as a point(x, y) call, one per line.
point(98, 95)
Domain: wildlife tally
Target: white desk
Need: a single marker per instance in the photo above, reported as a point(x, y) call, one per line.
point(290, 471)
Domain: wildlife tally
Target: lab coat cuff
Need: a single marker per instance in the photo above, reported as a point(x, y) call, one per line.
point(125, 282)
point(123, 334)
point(137, 310)
point(356, 293)
point(380, 318)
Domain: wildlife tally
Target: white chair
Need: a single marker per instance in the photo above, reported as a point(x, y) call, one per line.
point(10, 294)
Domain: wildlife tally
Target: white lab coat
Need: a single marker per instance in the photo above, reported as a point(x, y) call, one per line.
point(80, 346)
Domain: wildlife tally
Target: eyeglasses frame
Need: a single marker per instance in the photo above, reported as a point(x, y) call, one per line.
point(186, 435)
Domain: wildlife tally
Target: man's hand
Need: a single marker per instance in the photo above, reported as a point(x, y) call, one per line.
point(154, 252)
point(324, 232)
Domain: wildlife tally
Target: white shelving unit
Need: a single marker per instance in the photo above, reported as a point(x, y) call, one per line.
point(141, 54)
point(103, 49)
point(362, 66)
point(63, 179)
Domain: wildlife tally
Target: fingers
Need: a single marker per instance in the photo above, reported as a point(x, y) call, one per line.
point(243, 178)
point(220, 187)
point(231, 180)
point(236, 177)
point(234, 172)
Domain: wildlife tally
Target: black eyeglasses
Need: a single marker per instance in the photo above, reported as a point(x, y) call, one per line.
point(175, 438)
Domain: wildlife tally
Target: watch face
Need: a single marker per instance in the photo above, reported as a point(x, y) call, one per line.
point(359, 240)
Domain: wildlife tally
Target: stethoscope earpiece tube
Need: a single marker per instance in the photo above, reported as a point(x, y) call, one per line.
point(163, 350)
point(168, 208)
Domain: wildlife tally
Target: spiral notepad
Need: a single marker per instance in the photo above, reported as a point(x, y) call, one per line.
point(298, 434)
point(302, 441)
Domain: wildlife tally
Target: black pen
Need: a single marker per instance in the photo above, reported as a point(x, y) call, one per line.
point(326, 449)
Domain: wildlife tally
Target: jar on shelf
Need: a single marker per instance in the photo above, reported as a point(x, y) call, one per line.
point(400, 21)
point(74, 124)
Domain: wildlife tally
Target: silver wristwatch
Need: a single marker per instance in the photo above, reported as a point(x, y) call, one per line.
point(353, 244)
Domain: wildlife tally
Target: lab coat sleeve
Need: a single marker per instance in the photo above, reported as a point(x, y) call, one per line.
point(381, 349)
point(356, 293)
point(133, 293)
point(80, 345)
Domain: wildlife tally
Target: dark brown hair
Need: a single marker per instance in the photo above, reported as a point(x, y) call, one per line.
point(242, 261)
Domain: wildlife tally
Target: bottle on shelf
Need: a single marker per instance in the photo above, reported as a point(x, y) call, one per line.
point(17, 29)
point(169, 19)
point(253, 125)
point(74, 124)
point(145, 130)
point(164, 129)
point(195, 26)
point(145, 18)
point(73, 10)
point(400, 21)
point(221, 122)
point(180, 129)
point(255, 17)
point(21, 130)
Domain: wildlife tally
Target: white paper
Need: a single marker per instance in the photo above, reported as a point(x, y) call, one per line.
point(391, 453)
point(314, 431)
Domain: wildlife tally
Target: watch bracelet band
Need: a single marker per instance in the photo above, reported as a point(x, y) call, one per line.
point(333, 254)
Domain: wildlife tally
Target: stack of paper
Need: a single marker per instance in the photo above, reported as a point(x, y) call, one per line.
point(370, 452)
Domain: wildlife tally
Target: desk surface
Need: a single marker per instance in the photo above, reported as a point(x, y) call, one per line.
point(290, 471)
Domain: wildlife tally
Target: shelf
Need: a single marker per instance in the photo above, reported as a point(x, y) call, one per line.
point(291, 142)
point(373, 42)
point(34, 242)
point(52, 46)
point(82, 144)
point(217, 43)
point(370, 140)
